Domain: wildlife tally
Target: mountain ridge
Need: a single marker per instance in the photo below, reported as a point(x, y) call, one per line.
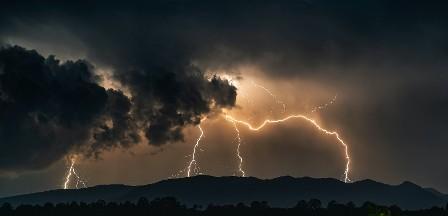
point(284, 191)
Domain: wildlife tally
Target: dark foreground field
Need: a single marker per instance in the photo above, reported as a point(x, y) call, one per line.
point(171, 206)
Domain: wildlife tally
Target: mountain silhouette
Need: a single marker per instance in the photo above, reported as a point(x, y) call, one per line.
point(278, 192)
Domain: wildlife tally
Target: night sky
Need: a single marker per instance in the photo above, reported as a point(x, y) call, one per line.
point(124, 86)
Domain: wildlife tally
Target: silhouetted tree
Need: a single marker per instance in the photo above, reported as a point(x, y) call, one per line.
point(171, 206)
point(6, 209)
point(143, 202)
point(166, 203)
point(351, 205)
point(395, 210)
point(241, 206)
point(331, 204)
point(259, 205)
point(314, 204)
point(100, 204)
point(301, 205)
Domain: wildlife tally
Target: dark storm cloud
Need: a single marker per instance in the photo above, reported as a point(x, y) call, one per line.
point(68, 109)
point(304, 38)
point(121, 130)
point(48, 108)
point(151, 54)
point(166, 101)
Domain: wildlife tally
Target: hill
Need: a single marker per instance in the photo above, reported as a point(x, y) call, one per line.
point(278, 192)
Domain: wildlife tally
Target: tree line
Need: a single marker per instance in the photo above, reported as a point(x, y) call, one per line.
point(171, 206)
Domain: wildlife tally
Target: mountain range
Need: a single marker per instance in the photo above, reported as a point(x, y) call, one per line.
point(278, 192)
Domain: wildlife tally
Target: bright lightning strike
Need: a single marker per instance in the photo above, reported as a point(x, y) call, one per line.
point(240, 165)
point(313, 122)
point(69, 174)
point(323, 106)
point(72, 171)
point(193, 167)
point(193, 155)
point(272, 95)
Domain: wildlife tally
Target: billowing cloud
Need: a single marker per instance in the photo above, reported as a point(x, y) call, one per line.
point(49, 108)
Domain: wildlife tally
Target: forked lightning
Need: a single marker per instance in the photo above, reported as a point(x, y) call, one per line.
point(312, 121)
point(72, 171)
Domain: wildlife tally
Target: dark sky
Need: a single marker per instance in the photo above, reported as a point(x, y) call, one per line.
point(124, 85)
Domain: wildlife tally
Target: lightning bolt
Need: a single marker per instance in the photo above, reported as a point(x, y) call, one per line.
point(192, 167)
point(193, 155)
point(240, 165)
point(312, 121)
point(69, 174)
point(72, 171)
point(79, 180)
point(272, 95)
point(323, 106)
